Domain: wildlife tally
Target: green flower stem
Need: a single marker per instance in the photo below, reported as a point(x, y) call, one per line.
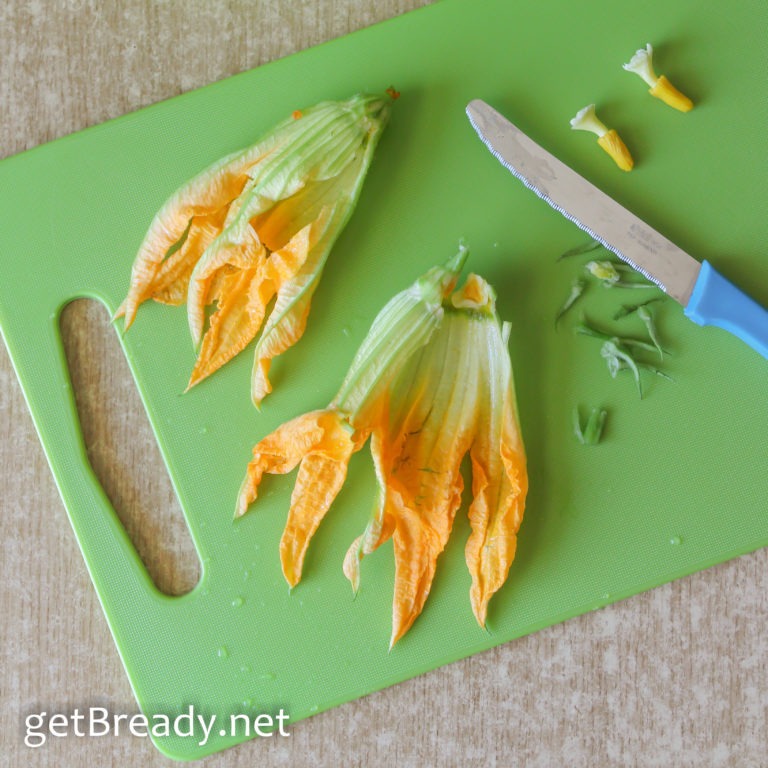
point(585, 329)
point(593, 429)
point(592, 245)
point(644, 314)
point(628, 309)
point(577, 289)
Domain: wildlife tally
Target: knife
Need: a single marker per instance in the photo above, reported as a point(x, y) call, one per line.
point(708, 297)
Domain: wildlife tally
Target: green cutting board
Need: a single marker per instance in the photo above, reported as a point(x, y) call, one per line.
point(679, 482)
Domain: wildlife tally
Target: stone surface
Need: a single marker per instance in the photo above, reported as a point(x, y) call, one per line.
point(676, 676)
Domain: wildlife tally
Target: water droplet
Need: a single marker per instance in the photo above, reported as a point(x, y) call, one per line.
point(313, 708)
point(204, 592)
point(267, 676)
point(52, 316)
point(675, 541)
point(345, 331)
point(248, 703)
point(245, 668)
point(246, 574)
point(606, 596)
point(237, 602)
point(203, 430)
point(223, 653)
point(256, 547)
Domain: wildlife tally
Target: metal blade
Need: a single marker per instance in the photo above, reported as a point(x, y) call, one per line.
point(620, 231)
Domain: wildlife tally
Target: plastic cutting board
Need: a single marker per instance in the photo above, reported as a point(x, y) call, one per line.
point(680, 481)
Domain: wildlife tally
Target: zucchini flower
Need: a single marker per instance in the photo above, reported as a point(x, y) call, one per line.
point(431, 382)
point(610, 141)
point(257, 225)
point(642, 64)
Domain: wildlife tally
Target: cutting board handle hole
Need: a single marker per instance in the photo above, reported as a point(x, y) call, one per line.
point(122, 449)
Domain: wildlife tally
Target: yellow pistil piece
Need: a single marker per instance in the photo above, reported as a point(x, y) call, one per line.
point(642, 65)
point(609, 140)
point(667, 92)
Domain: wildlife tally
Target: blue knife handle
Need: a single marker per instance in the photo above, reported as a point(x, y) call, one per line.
point(717, 301)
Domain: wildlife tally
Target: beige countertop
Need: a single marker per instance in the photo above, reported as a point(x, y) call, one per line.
point(673, 677)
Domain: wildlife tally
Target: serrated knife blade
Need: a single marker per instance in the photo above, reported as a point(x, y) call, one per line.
point(708, 298)
point(620, 231)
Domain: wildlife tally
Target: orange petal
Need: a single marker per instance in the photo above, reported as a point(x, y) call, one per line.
point(382, 525)
point(219, 280)
point(243, 298)
point(300, 230)
point(285, 263)
point(208, 193)
point(169, 285)
point(288, 319)
point(422, 528)
point(319, 480)
point(424, 487)
point(242, 252)
point(279, 224)
point(499, 476)
point(499, 487)
point(297, 268)
point(323, 443)
point(278, 338)
point(279, 452)
point(418, 446)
